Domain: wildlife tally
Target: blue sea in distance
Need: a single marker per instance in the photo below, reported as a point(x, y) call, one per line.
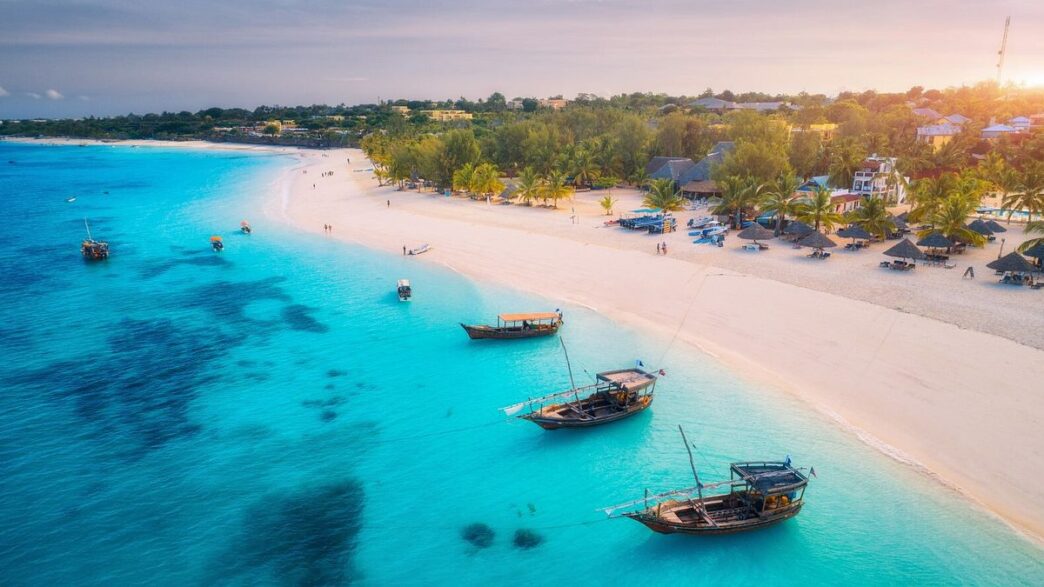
point(272, 415)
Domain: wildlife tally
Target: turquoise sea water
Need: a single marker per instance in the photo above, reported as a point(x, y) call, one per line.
point(273, 415)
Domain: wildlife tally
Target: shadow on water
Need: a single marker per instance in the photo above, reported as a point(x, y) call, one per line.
point(209, 260)
point(304, 537)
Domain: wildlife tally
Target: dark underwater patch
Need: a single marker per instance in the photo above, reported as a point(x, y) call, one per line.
point(306, 537)
point(526, 539)
point(227, 300)
point(328, 416)
point(141, 384)
point(158, 269)
point(478, 535)
point(299, 317)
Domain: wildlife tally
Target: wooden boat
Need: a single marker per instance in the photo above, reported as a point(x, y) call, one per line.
point(420, 250)
point(244, 227)
point(759, 495)
point(217, 244)
point(91, 249)
point(614, 396)
point(404, 290)
point(518, 326)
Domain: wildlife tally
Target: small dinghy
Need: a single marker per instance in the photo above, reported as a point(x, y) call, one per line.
point(71, 200)
point(419, 250)
point(244, 227)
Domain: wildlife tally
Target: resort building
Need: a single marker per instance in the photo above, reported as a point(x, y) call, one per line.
point(1020, 123)
point(995, 131)
point(403, 110)
point(845, 203)
point(937, 135)
point(878, 178)
point(515, 104)
point(719, 105)
point(958, 119)
point(696, 181)
point(447, 115)
point(927, 113)
point(553, 103)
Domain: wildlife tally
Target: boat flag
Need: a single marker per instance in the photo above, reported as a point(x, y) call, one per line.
point(787, 462)
point(812, 472)
point(639, 364)
point(663, 373)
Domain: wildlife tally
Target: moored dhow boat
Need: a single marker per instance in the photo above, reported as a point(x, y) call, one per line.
point(404, 290)
point(518, 326)
point(614, 396)
point(760, 494)
point(91, 249)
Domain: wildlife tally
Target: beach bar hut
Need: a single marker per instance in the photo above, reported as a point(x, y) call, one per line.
point(935, 240)
point(796, 228)
point(817, 241)
point(756, 232)
point(1037, 252)
point(979, 226)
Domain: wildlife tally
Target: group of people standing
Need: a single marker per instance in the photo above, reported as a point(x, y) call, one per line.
point(661, 248)
point(328, 228)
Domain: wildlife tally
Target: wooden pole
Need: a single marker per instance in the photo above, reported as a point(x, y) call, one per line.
point(692, 463)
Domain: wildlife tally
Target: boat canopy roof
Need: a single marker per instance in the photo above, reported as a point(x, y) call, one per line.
point(628, 379)
point(770, 478)
point(404, 283)
point(529, 316)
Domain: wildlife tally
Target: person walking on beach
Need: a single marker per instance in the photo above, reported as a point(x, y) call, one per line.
point(657, 248)
point(969, 273)
point(664, 247)
point(389, 203)
point(404, 249)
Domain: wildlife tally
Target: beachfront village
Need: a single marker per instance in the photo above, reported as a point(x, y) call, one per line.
point(849, 174)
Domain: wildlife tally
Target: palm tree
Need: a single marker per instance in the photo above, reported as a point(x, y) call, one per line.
point(607, 204)
point(873, 217)
point(584, 168)
point(950, 219)
point(779, 199)
point(735, 196)
point(639, 178)
point(1028, 194)
point(818, 210)
point(664, 196)
point(555, 187)
point(928, 195)
point(485, 180)
point(528, 186)
point(463, 177)
point(844, 162)
point(1033, 227)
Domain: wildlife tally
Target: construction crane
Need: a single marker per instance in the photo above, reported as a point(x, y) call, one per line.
point(1003, 50)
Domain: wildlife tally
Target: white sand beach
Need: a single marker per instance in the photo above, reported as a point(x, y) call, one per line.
point(942, 372)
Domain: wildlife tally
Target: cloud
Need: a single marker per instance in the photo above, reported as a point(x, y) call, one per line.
point(33, 95)
point(4, 92)
point(54, 95)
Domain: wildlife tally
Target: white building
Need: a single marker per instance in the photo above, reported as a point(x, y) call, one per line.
point(877, 177)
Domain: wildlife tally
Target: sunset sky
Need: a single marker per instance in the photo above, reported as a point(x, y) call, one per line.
point(76, 57)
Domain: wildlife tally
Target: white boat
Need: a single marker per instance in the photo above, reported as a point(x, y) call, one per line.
point(421, 249)
point(404, 290)
point(702, 222)
point(714, 230)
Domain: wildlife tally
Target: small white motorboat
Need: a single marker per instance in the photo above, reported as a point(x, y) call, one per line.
point(421, 249)
point(404, 290)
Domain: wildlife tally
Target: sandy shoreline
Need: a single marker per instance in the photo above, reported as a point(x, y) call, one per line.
point(939, 372)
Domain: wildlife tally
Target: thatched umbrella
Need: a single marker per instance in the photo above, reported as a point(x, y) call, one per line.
point(854, 232)
point(756, 232)
point(1012, 262)
point(797, 228)
point(905, 250)
point(980, 227)
point(900, 222)
point(817, 240)
point(935, 240)
point(995, 227)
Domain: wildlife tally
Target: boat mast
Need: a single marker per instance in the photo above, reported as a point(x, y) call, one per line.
point(692, 463)
point(88, 227)
point(568, 364)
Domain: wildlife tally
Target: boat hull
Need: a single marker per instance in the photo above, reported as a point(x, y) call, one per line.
point(662, 526)
point(508, 333)
point(556, 423)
